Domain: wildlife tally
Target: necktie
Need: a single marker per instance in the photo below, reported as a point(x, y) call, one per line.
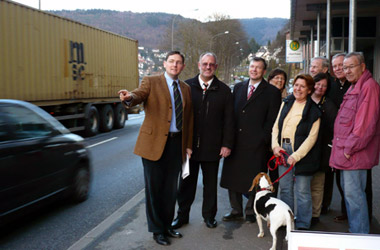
point(252, 88)
point(205, 85)
point(178, 106)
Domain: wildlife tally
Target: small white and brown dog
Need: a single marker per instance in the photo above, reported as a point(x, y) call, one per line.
point(276, 212)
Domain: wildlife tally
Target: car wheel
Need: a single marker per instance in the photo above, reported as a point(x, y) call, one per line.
point(120, 116)
point(106, 118)
point(81, 185)
point(91, 121)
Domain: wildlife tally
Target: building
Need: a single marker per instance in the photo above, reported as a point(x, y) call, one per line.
point(348, 25)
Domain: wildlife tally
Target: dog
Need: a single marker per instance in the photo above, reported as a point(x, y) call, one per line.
point(276, 212)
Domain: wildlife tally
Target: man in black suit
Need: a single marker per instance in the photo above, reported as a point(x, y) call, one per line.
point(212, 139)
point(256, 104)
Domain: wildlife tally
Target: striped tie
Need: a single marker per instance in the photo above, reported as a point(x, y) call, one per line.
point(252, 88)
point(178, 106)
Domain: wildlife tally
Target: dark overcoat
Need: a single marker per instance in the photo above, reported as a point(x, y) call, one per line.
point(254, 120)
point(213, 119)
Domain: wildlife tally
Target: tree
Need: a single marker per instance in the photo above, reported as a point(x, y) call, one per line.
point(253, 45)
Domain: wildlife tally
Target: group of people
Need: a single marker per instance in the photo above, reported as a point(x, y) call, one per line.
point(202, 120)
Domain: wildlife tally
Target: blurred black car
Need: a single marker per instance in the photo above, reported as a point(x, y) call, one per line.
point(39, 158)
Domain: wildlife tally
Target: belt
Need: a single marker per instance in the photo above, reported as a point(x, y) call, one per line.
point(174, 134)
point(286, 140)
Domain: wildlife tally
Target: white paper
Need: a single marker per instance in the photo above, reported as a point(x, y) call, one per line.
point(186, 168)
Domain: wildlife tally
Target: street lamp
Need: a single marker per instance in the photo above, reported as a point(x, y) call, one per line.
point(173, 28)
point(219, 34)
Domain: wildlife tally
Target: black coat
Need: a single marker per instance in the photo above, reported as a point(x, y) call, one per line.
point(253, 127)
point(213, 119)
point(309, 164)
point(326, 130)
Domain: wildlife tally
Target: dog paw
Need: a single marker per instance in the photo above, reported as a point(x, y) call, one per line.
point(260, 235)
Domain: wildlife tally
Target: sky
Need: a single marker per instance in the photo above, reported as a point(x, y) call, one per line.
point(196, 9)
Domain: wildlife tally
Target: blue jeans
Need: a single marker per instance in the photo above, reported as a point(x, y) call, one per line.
point(353, 183)
point(301, 184)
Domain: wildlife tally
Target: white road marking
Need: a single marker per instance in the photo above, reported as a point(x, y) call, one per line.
point(96, 144)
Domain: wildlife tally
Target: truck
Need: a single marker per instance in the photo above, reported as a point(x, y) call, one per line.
point(71, 70)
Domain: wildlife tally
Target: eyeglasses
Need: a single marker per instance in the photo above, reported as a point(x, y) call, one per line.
point(345, 68)
point(204, 65)
point(279, 78)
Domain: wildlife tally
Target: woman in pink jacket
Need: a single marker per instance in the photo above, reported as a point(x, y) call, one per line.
point(356, 143)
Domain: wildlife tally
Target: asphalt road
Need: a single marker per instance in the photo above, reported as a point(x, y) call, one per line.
point(117, 176)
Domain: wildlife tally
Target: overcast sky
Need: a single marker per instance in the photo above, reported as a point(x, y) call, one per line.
point(197, 9)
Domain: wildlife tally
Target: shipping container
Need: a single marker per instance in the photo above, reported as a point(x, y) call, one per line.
point(70, 69)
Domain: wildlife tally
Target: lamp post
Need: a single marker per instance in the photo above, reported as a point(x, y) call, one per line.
point(173, 28)
point(219, 34)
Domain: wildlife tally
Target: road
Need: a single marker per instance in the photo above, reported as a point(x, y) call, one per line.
point(117, 176)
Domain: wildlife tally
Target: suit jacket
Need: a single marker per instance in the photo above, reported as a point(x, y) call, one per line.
point(254, 120)
point(154, 92)
point(213, 119)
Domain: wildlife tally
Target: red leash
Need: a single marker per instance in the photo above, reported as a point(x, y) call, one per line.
point(279, 161)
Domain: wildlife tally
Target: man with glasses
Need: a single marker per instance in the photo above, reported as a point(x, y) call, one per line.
point(356, 143)
point(256, 104)
point(212, 140)
point(164, 139)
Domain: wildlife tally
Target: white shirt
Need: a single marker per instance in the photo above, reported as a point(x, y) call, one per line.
point(201, 82)
point(254, 85)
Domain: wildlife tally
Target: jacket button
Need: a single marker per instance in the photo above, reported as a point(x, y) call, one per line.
point(240, 129)
point(243, 111)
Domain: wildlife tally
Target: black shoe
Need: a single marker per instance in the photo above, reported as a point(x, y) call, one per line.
point(178, 222)
point(231, 216)
point(161, 239)
point(211, 223)
point(325, 210)
point(314, 221)
point(250, 218)
point(340, 218)
point(173, 234)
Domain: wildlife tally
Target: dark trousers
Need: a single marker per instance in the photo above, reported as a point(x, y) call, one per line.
point(188, 188)
point(368, 191)
point(161, 179)
point(328, 188)
point(236, 201)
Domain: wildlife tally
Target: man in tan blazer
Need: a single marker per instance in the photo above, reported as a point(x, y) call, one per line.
point(163, 142)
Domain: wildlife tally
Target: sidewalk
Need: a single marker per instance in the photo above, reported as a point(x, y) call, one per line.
point(127, 227)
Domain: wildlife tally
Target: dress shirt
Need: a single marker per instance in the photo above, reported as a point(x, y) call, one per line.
point(201, 82)
point(169, 82)
point(254, 85)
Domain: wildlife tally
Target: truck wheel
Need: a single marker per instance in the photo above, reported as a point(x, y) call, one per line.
point(120, 116)
point(91, 121)
point(106, 118)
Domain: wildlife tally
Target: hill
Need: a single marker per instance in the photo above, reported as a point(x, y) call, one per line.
point(150, 29)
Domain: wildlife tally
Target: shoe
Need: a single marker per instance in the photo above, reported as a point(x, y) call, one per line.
point(173, 234)
point(211, 223)
point(340, 218)
point(314, 221)
point(161, 239)
point(325, 210)
point(177, 223)
point(250, 218)
point(231, 217)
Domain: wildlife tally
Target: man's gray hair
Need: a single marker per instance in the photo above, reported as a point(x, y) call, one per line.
point(358, 55)
point(325, 61)
point(207, 54)
point(338, 55)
